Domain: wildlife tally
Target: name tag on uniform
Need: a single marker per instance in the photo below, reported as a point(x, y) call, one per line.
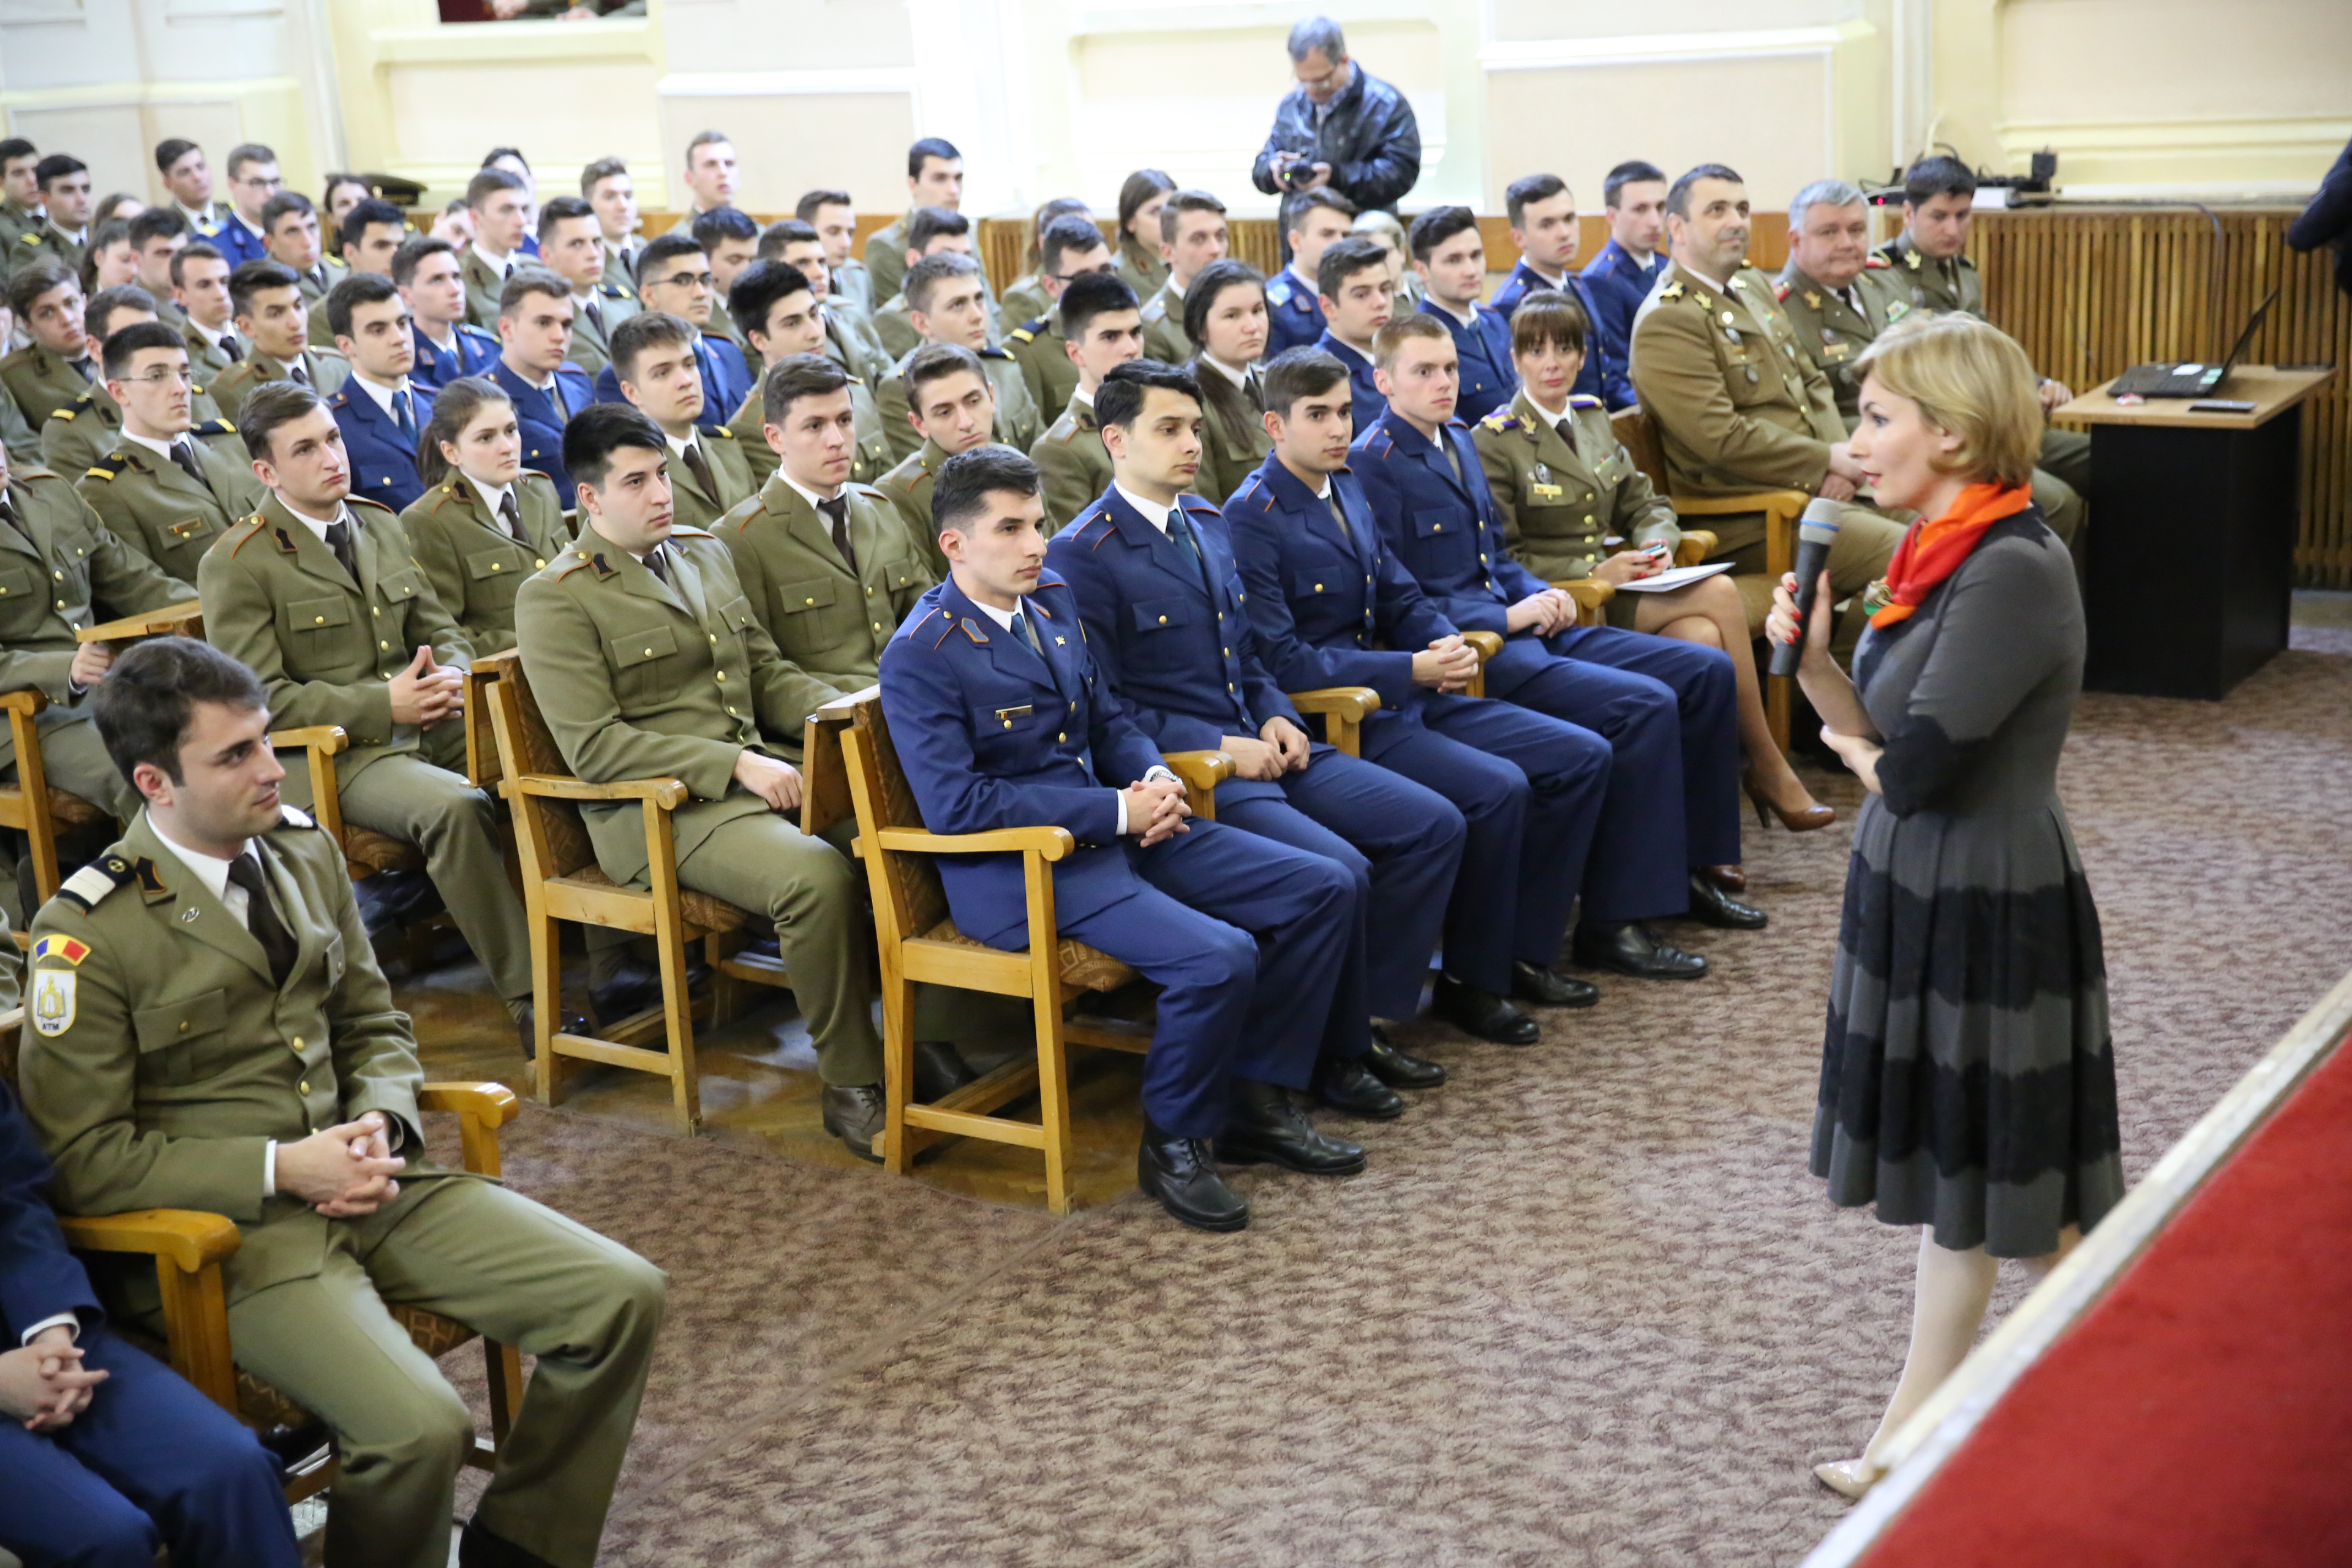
point(1008, 714)
point(1545, 492)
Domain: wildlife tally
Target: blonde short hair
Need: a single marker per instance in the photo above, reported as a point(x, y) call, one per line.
point(1970, 380)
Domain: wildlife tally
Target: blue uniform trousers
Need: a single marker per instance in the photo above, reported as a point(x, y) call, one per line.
point(1707, 695)
point(1402, 844)
point(1246, 941)
point(152, 1462)
point(1531, 789)
point(1645, 849)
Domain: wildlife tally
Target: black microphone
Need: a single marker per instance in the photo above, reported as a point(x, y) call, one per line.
point(1816, 532)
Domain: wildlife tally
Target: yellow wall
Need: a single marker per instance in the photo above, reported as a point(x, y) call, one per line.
point(2139, 97)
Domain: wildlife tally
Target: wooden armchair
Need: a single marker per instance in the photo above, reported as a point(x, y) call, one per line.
point(30, 805)
point(562, 882)
point(1639, 434)
point(920, 943)
point(366, 850)
point(188, 1248)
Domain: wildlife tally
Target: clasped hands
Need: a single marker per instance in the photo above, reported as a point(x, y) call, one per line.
point(343, 1172)
point(426, 692)
point(1282, 747)
point(1543, 613)
point(1156, 809)
point(43, 1385)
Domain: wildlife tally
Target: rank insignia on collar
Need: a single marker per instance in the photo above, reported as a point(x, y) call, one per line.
point(1812, 300)
point(1911, 259)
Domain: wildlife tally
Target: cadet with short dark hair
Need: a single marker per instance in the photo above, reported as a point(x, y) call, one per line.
point(849, 338)
point(56, 366)
point(20, 198)
point(1312, 221)
point(934, 179)
point(253, 179)
point(571, 246)
point(731, 242)
point(498, 202)
point(425, 270)
point(1542, 211)
point(952, 405)
point(674, 275)
point(170, 486)
point(654, 361)
point(272, 316)
point(535, 369)
point(1024, 298)
point(77, 437)
point(613, 194)
point(1354, 282)
point(947, 300)
point(158, 234)
point(835, 217)
point(1070, 248)
point(931, 231)
point(63, 234)
point(778, 307)
point(710, 174)
point(207, 317)
point(1450, 258)
point(1192, 233)
point(1102, 329)
point(189, 178)
point(378, 410)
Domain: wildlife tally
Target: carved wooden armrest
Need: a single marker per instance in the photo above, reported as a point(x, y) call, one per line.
point(28, 702)
point(1696, 545)
point(1350, 704)
point(1488, 645)
point(187, 1238)
point(1052, 843)
point(327, 738)
point(481, 1110)
point(1589, 593)
point(666, 793)
point(1199, 770)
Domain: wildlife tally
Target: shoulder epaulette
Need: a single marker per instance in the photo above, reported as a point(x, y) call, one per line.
point(614, 291)
point(1499, 421)
point(534, 474)
point(68, 413)
point(341, 400)
point(109, 467)
point(723, 431)
point(1877, 261)
point(252, 526)
point(464, 327)
point(86, 886)
point(32, 238)
point(294, 816)
point(1281, 282)
point(1022, 335)
point(1780, 288)
point(687, 531)
point(993, 353)
point(1582, 400)
point(34, 473)
point(363, 500)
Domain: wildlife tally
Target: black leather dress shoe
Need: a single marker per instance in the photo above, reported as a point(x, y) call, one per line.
point(632, 988)
point(1711, 905)
point(1630, 949)
point(477, 1548)
point(527, 1029)
point(1182, 1172)
point(1534, 982)
point(1480, 1013)
point(1400, 1069)
point(853, 1113)
point(1264, 1126)
point(1345, 1083)
point(940, 1070)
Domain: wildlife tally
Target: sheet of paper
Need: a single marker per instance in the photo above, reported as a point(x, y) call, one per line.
point(1675, 577)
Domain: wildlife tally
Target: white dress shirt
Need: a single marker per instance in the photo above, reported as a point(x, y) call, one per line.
point(316, 525)
point(491, 495)
point(382, 395)
point(502, 265)
point(807, 494)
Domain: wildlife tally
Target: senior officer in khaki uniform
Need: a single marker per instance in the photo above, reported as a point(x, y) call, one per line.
point(169, 487)
point(825, 563)
point(61, 570)
point(209, 1030)
point(1738, 406)
point(649, 661)
point(318, 592)
point(1840, 296)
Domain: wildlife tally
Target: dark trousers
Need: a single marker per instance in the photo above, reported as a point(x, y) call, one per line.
point(1531, 788)
point(152, 1462)
point(1402, 844)
point(1706, 697)
point(1246, 941)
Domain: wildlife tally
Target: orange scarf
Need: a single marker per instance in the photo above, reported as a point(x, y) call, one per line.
point(1934, 548)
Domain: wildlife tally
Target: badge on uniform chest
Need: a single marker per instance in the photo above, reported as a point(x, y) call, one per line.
point(1541, 486)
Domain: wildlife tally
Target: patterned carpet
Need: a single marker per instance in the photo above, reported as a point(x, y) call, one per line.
point(1586, 1307)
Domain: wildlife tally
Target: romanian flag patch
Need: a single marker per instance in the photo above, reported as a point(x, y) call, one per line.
point(64, 949)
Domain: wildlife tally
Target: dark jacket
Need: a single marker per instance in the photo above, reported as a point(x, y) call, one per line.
point(38, 1277)
point(2328, 219)
point(1371, 139)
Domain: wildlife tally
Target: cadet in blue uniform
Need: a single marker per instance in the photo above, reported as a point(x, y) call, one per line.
point(1331, 606)
point(378, 410)
point(1312, 221)
point(1452, 261)
point(1357, 304)
point(674, 275)
point(547, 390)
point(1168, 626)
point(447, 346)
point(1542, 211)
point(1667, 708)
point(121, 1457)
point(1001, 720)
point(253, 179)
point(1622, 273)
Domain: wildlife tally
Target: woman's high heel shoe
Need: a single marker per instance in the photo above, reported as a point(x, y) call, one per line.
point(1807, 818)
point(1850, 1478)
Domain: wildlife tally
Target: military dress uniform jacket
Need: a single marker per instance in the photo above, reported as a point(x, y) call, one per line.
point(77, 437)
point(1618, 284)
point(1225, 462)
point(474, 567)
point(1075, 462)
point(1018, 423)
point(995, 734)
point(1141, 267)
point(484, 285)
point(51, 241)
point(851, 342)
point(1443, 528)
point(153, 505)
point(828, 622)
point(1603, 371)
point(1951, 283)
point(540, 422)
point(1369, 137)
point(1040, 351)
point(1024, 296)
point(207, 362)
point(1488, 377)
point(382, 459)
point(621, 262)
point(1367, 403)
point(1738, 406)
point(1557, 503)
point(1293, 313)
point(160, 1059)
point(731, 471)
point(315, 286)
point(1163, 326)
point(871, 460)
point(17, 437)
point(15, 222)
point(592, 332)
point(893, 323)
point(907, 488)
point(326, 369)
point(640, 677)
point(1172, 638)
point(42, 383)
point(326, 646)
point(886, 263)
point(854, 286)
point(435, 367)
point(1832, 334)
point(239, 241)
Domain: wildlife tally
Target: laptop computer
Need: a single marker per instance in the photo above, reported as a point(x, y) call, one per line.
point(2190, 380)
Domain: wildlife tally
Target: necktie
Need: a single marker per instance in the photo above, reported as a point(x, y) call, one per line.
point(595, 317)
point(1179, 534)
point(700, 467)
point(1022, 629)
point(297, 374)
point(402, 418)
point(653, 564)
point(512, 514)
point(261, 917)
point(185, 456)
point(339, 539)
point(555, 395)
point(83, 367)
point(837, 509)
point(1256, 394)
point(1567, 428)
point(9, 517)
point(229, 349)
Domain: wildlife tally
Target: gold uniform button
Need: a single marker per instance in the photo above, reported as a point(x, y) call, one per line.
point(869, 593)
point(1064, 736)
point(377, 611)
point(184, 1026)
point(304, 1086)
point(539, 563)
point(1482, 558)
point(731, 711)
point(809, 602)
point(714, 636)
point(1163, 620)
point(60, 576)
point(722, 677)
point(1008, 723)
point(318, 620)
point(877, 625)
point(297, 1042)
point(1319, 587)
point(1437, 528)
point(649, 653)
point(384, 645)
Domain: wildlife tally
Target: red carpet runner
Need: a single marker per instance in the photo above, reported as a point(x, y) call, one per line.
point(2200, 1415)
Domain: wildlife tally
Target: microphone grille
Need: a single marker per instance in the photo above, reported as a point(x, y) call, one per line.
point(1819, 523)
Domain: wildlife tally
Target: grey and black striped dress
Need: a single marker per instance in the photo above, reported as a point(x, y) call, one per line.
point(1967, 1080)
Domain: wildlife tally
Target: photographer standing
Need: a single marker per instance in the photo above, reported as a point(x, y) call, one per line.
point(1338, 128)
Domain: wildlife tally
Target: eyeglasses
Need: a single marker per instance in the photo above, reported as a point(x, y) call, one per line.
point(685, 280)
point(168, 375)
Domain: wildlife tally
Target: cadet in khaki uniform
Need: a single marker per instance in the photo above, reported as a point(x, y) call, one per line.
point(499, 204)
point(654, 362)
point(946, 289)
point(63, 235)
point(270, 315)
point(168, 488)
point(782, 314)
point(76, 435)
point(1102, 329)
point(61, 570)
point(1192, 234)
point(1071, 247)
point(572, 248)
point(1738, 406)
point(485, 522)
point(56, 366)
point(20, 196)
point(648, 659)
point(209, 1030)
point(955, 411)
point(1840, 296)
point(338, 621)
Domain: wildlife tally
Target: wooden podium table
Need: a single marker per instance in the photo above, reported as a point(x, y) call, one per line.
point(2193, 523)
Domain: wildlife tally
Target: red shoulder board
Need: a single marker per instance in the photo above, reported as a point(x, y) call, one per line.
point(1780, 289)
